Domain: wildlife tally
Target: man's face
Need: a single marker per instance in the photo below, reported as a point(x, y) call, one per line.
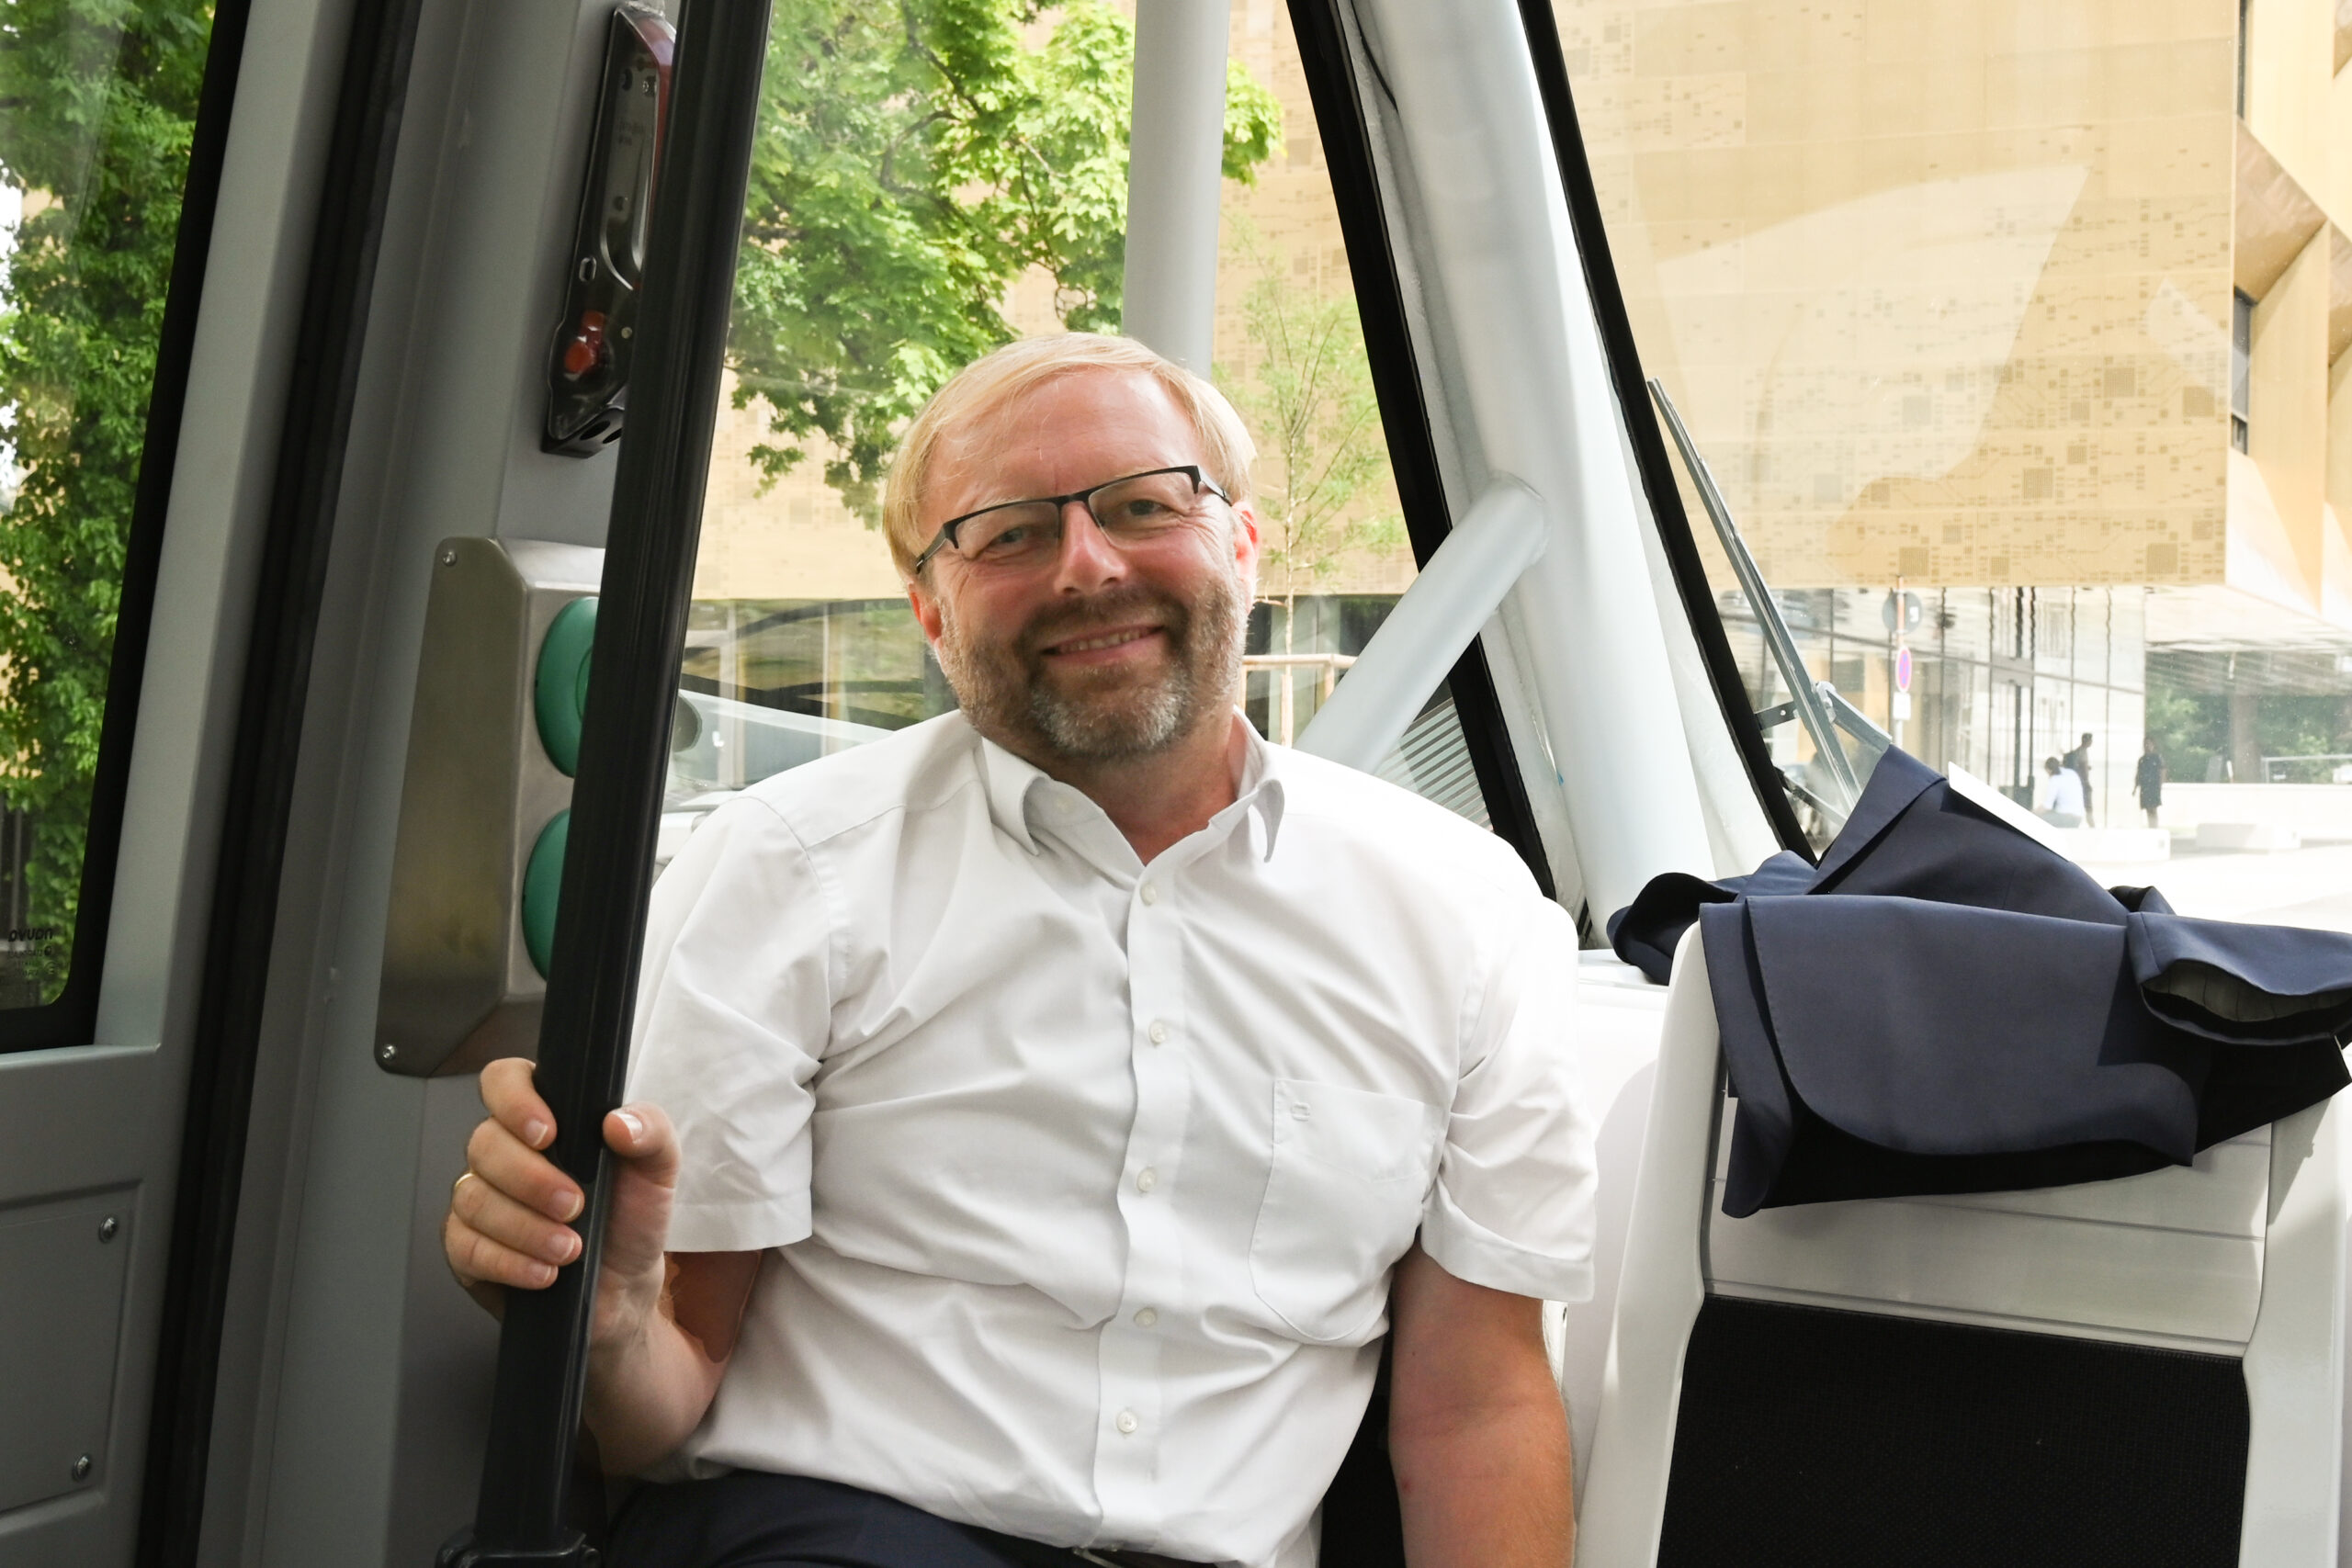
point(1102, 653)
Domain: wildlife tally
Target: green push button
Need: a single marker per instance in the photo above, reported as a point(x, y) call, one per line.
point(543, 890)
point(560, 694)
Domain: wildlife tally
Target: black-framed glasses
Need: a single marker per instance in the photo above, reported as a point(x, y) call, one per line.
point(1134, 508)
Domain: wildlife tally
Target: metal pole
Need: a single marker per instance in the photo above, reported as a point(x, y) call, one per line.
point(624, 753)
point(1175, 159)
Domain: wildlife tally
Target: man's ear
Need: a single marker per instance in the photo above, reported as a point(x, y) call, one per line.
point(926, 610)
point(1245, 536)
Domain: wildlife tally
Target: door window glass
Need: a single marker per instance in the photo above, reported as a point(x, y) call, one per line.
point(920, 194)
point(98, 111)
point(2020, 395)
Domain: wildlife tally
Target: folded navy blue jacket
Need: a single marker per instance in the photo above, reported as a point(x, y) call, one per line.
point(1944, 1005)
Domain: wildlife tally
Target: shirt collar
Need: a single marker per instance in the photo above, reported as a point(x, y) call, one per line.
point(1014, 785)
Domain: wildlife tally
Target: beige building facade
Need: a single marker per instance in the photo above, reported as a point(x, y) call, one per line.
point(1947, 288)
point(2036, 308)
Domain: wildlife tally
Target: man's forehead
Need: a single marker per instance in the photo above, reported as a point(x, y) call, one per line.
point(1056, 435)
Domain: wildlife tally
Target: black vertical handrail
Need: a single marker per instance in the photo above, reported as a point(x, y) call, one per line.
point(624, 753)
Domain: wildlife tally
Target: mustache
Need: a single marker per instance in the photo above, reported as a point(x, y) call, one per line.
point(1117, 607)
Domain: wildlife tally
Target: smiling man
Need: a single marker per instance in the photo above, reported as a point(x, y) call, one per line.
point(1040, 1118)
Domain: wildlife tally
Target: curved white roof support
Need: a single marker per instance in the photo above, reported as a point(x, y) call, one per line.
point(1452, 600)
point(1525, 388)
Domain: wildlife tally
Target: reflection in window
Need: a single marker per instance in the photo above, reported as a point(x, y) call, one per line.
point(97, 106)
point(1954, 310)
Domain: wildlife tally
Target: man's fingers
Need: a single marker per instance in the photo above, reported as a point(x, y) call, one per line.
point(492, 1214)
point(512, 1100)
point(641, 1135)
point(476, 1260)
point(496, 1155)
point(638, 1227)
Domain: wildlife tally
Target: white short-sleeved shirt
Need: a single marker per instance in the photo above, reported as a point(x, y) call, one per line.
point(1082, 1180)
point(2062, 792)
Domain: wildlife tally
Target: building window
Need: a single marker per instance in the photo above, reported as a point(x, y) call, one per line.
point(2241, 365)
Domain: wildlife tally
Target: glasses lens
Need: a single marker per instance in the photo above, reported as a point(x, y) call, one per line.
point(1144, 505)
point(1007, 533)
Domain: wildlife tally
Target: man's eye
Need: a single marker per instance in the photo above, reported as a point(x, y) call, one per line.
point(1142, 510)
point(1014, 539)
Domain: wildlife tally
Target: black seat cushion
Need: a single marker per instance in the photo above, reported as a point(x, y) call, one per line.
point(1361, 1525)
point(1814, 1438)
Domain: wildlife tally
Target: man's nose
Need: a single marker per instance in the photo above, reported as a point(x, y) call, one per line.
point(1089, 559)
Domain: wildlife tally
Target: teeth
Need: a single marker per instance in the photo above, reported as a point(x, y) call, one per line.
point(1088, 644)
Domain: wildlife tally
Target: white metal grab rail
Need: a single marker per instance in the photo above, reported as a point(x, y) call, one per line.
point(1454, 597)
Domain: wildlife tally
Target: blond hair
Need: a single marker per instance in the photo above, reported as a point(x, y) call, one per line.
point(995, 381)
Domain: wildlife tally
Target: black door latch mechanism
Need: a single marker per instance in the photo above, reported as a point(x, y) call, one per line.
point(588, 362)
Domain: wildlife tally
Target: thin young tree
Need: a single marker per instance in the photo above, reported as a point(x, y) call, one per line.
point(1305, 388)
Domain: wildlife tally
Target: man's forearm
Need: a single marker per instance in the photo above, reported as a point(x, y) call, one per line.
point(1488, 1491)
point(647, 1393)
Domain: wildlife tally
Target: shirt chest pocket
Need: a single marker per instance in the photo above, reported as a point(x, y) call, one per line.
point(1350, 1172)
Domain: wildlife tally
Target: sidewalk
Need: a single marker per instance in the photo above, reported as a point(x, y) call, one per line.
point(2310, 886)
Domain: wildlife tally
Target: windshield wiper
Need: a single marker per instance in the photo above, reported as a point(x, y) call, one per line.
point(1818, 705)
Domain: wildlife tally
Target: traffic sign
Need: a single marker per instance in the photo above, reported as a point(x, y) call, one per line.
point(1902, 612)
point(1902, 669)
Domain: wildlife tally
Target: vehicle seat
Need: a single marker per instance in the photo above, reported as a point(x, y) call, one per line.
point(2147, 1370)
point(1363, 1526)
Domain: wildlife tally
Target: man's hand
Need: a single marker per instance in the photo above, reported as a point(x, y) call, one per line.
point(665, 1324)
point(508, 1225)
point(1476, 1430)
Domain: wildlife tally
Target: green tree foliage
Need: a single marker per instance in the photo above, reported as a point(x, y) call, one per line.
point(2192, 729)
point(913, 160)
point(97, 103)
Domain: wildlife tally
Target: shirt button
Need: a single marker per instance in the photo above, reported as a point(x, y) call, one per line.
point(1146, 1179)
point(1159, 1032)
point(1146, 1318)
point(1150, 893)
point(1126, 1423)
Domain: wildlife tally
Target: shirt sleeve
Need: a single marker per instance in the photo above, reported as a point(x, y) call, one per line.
point(733, 1011)
point(1512, 1206)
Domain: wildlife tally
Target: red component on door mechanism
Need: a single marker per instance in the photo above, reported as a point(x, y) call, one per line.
point(587, 349)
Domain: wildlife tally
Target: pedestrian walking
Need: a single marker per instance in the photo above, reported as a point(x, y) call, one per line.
point(2148, 779)
point(2079, 758)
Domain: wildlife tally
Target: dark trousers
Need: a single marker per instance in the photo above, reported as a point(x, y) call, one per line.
point(751, 1519)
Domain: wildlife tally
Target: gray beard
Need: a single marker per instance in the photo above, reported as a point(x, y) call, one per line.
point(1004, 694)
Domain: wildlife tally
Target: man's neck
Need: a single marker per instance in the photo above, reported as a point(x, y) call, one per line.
point(1157, 799)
